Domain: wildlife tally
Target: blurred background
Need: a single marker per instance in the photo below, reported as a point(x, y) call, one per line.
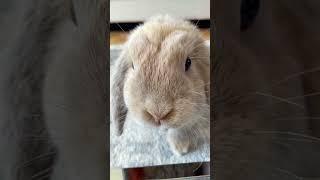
point(129, 13)
point(139, 10)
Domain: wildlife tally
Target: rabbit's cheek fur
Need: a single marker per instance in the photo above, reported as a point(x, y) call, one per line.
point(133, 99)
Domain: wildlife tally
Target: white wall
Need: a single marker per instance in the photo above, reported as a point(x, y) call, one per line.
point(139, 10)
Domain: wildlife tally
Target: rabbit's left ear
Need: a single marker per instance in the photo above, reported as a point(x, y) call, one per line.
point(118, 109)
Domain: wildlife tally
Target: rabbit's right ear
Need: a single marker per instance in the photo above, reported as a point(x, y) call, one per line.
point(118, 109)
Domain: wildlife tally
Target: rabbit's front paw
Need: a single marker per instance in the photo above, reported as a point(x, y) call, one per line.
point(179, 145)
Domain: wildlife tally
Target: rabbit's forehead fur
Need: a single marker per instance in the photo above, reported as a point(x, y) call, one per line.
point(158, 50)
point(160, 40)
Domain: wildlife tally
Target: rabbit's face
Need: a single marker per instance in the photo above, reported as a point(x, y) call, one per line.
point(166, 84)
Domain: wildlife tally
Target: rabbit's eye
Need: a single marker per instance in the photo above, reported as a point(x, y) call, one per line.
point(132, 66)
point(188, 64)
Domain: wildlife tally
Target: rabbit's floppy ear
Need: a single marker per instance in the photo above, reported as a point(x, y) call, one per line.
point(118, 109)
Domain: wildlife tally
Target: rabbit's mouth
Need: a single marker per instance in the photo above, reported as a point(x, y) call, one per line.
point(164, 128)
point(163, 125)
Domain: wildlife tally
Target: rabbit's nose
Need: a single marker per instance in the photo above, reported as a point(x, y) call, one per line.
point(159, 117)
